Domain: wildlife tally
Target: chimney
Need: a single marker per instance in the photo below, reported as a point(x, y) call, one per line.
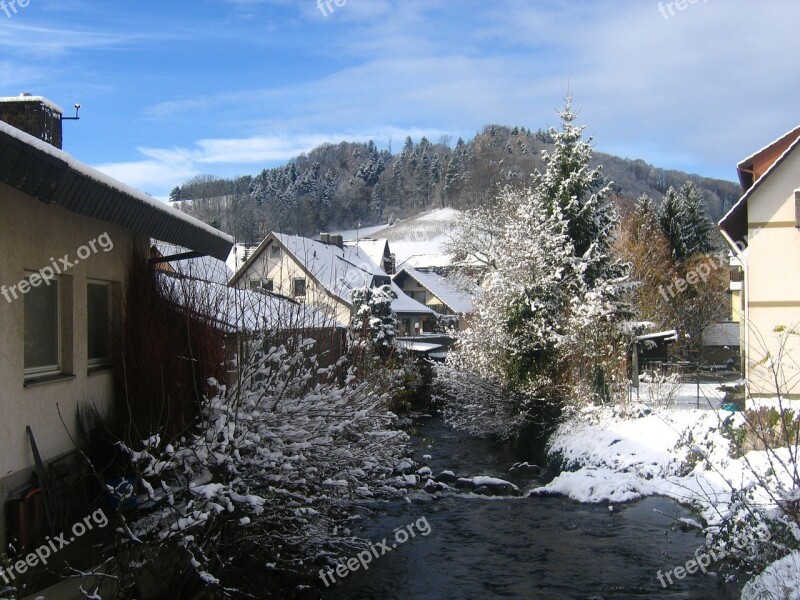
point(337, 240)
point(324, 238)
point(34, 115)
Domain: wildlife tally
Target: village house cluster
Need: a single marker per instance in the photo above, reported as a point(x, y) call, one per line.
point(57, 342)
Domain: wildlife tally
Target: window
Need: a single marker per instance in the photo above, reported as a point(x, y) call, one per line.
point(42, 328)
point(299, 288)
point(258, 284)
point(98, 319)
point(275, 251)
point(418, 296)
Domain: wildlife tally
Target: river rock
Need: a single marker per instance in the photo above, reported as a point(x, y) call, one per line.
point(465, 483)
point(432, 486)
point(446, 477)
point(425, 472)
point(497, 487)
point(404, 467)
point(526, 468)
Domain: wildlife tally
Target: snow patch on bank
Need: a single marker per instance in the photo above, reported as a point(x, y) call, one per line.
point(779, 580)
point(680, 453)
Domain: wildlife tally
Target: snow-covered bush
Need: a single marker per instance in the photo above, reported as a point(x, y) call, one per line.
point(373, 321)
point(778, 581)
point(272, 466)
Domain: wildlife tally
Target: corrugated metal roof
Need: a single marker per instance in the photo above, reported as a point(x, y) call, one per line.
point(54, 177)
point(722, 334)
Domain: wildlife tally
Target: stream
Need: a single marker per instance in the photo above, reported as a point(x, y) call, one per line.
point(541, 547)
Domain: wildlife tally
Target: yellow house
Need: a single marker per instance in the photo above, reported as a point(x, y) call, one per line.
point(763, 230)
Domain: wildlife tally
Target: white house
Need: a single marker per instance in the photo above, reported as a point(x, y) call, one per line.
point(67, 235)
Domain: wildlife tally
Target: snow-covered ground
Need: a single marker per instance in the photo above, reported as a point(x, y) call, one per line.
point(677, 451)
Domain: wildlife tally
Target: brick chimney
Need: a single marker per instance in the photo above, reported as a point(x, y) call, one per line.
point(34, 115)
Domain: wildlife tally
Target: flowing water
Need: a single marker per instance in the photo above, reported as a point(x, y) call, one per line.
point(539, 547)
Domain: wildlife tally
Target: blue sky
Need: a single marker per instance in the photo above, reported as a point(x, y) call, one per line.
point(176, 88)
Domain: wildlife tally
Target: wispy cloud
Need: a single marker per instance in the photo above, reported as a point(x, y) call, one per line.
point(236, 85)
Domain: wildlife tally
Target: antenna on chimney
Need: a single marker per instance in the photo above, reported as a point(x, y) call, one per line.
point(76, 117)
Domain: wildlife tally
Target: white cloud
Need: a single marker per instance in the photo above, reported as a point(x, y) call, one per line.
point(697, 91)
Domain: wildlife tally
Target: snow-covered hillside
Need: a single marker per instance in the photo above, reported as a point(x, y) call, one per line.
point(417, 241)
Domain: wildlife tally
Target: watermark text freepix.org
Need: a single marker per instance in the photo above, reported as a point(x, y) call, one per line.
point(401, 536)
point(43, 553)
point(56, 267)
point(10, 6)
point(670, 7)
point(326, 6)
point(705, 557)
point(701, 273)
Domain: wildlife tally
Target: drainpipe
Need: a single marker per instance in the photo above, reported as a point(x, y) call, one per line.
point(745, 295)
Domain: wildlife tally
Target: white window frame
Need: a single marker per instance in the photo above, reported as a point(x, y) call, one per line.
point(105, 361)
point(34, 372)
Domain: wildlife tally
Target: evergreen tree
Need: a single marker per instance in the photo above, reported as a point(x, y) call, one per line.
point(580, 192)
point(547, 327)
point(671, 221)
point(374, 325)
point(698, 227)
point(684, 223)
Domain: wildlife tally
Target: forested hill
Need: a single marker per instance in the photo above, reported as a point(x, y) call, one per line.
point(337, 186)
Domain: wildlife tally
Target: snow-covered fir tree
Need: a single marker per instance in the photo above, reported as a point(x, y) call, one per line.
point(581, 193)
point(546, 329)
point(373, 321)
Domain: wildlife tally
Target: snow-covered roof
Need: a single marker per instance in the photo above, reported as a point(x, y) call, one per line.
point(338, 270)
point(670, 335)
point(417, 346)
point(457, 293)
point(406, 305)
point(243, 310)
point(22, 98)
point(794, 133)
point(55, 177)
point(721, 334)
point(205, 268)
point(374, 249)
